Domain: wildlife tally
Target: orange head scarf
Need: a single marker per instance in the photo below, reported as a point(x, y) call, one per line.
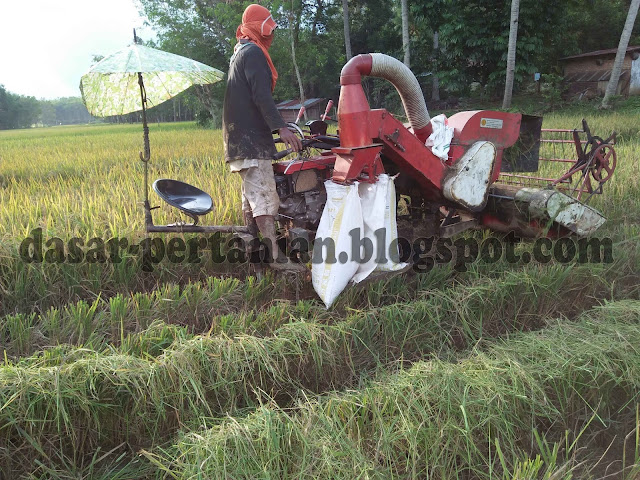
point(258, 25)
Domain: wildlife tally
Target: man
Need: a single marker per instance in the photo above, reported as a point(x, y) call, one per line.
point(249, 118)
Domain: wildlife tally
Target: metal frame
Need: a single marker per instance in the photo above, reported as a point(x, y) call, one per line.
point(589, 163)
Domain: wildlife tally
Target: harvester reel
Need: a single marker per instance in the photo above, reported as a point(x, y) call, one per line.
point(604, 163)
point(598, 161)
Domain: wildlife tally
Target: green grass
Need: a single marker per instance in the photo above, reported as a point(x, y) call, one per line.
point(140, 390)
point(480, 417)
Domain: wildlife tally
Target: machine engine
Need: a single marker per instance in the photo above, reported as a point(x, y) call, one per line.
point(302, 198)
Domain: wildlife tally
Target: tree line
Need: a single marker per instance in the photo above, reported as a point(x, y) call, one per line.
point(20, 111)
point(455, 47)
point(17, 111)
point(451, 45)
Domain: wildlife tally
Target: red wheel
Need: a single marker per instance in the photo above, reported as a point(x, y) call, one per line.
point(604, 163)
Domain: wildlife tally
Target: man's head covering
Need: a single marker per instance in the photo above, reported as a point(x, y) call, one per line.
point(258, 26)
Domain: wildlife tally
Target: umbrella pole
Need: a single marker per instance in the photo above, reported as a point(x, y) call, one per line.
point(147, 152)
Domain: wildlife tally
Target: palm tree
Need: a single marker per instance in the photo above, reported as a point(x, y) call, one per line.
point(612, 86)
point(435, 88)
point(511, 54)
point(347, 33)
point(405, 33)
point(292, 19)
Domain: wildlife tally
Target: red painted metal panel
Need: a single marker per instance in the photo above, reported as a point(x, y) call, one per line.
point(500, 128)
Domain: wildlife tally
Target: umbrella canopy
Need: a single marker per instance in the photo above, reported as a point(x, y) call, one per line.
point(111, 86)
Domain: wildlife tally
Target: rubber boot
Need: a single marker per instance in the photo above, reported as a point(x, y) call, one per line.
point(249, 221)
point(268, 230)
point(255, 266)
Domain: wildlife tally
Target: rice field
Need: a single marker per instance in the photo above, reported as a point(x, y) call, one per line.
point(195, 370)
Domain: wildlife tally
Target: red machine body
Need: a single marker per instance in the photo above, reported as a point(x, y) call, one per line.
point(365, 134)
point(458, 189)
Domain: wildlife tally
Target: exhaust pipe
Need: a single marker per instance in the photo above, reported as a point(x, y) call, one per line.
point(401, 77)
point(353, 100)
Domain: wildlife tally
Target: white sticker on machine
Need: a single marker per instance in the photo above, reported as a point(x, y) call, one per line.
point(491, 123)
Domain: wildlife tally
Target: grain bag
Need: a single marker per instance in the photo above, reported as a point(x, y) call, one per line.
point(389, 243)
point(333, 265)
point(372, 202)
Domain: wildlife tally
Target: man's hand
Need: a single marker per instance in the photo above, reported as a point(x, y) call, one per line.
point(290, 139)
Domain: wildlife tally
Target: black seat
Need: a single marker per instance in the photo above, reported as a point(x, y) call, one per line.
point(183, 196)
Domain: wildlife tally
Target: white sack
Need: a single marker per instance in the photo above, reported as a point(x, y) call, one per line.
point(342, 213)
point(390, 225)
point(440, 138)
point(378, 201)
point(372, 202)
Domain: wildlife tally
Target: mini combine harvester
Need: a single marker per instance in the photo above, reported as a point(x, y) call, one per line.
point(485, 182)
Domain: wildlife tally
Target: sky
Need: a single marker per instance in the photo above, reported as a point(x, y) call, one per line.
point(47, 45)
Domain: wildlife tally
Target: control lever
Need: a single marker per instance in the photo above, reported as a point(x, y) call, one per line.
point(300, 113)
point(284, 153)
point(326, 111)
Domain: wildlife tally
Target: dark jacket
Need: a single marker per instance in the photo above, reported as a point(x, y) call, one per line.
point(249, 113)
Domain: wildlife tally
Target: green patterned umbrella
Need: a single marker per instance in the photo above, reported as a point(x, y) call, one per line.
point(115, 86)
point(112, 87)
